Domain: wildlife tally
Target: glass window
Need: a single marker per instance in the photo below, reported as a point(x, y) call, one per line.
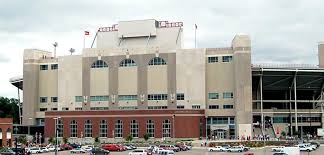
point(73, 128)
point(150, 128)
point(180, 106)
point(65, 109)
point(119, 129)
point(228, 106)
point(99, 64)
point(180, 96)
point(157, 107)
point(127, 63)
point(99, 108)
point(157, 97)
point(43, 99)
point(54, 109)
point(42, 109)
point(88, 128)
point(134, 128)
point(59, 127)
point(212, 59)
point(157, 61)
point(43, 67)
point(220, 120)
point(166, 129)
point(54, 66)
point(213, 96)
point(103, 128)
point(127, 97)
point(213, 107)
point(227, 58)
point(227, 95)
point(99, 98)
point(195, 106)
point(54, 99)
point(127, 108)
point(78, 99)
point(78, 108)
point(232, 120)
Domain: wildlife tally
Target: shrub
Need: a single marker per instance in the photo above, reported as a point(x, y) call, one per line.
point(129, 138)
point(146, 136)
point(65, 140)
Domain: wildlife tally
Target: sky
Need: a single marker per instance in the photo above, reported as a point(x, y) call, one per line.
point(282, 31)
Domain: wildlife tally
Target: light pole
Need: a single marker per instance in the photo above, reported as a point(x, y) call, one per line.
point(173, 129)
point(56, 133)
point(301, 127)
point(206, 128)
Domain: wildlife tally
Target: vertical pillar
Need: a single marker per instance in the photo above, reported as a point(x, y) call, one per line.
point(295, 97)
point(261, 101)
point(290, 108)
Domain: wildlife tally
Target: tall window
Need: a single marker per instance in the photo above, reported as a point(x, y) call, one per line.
point(228, 95)
point(74, 128)
point(99, 64)
point(166, 128)
point(43, 99)
point(59, 127)
point(150, 128)
point(180, 96)
point(88, 128)
point(134, 128)
point(118, 129)
point(54, 99)
point(103, 128)
point(127, 63)
point(157, 61)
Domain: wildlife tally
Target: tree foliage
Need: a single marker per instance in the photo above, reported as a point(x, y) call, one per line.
point(129, 138)
point(22, 139)
point(9, 108)
point(146, 136)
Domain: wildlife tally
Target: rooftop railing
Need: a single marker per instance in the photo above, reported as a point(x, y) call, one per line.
point(285, 65)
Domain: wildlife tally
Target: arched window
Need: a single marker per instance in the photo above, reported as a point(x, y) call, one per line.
point(99, 64)
point(119, 129)
point(103, 128)
point(0, 129)
point(134, 128)
point(127, 63)
point(74, 128)
point(8, 130)
point(157, 61)
point(166, 128)
point(150, 128)
point(88, 128)
point(59, 128)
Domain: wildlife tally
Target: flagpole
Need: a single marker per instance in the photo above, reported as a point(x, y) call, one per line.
point(195, 36)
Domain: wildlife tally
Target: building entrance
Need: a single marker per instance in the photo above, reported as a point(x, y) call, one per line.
point(220, 134)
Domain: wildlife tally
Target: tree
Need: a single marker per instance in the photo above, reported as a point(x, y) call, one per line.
point(283, 133)
point(146, 136)
point(65, 140)
point(129, 138)
point(97, 139)
point(22, 139)
point(9, 109)
point(51, 140)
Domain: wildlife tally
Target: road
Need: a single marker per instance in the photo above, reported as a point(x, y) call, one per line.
point(203, 151)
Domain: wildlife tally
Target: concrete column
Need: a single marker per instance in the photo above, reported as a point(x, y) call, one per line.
point(295, 97)
point(261, 101)
point(321, 54)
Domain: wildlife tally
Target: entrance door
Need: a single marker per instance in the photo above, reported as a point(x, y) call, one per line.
point(220, 134)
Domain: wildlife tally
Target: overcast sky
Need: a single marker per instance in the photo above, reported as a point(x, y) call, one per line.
point(282, 31)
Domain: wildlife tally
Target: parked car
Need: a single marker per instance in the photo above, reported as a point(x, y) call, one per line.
point(99, 151)
point(130, 146)
point(236, 149)
point(139, 152)
point(20, 151)
point(215, 149)
point(44, 150)
point(66, 147)
point(166, 152)
point(74, 145)
point(34, 150)
point(174, 148)
point(78, 150)
point(122, 147)
point(111, 147)
point(278, 149)
point(225, 148)
point(88, 149)
point(7, 152)
point(305, 148)
point(51, 148)
point(245, 148)
point(182, 147)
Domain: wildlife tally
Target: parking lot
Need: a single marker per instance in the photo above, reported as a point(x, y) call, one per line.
point(203, 151)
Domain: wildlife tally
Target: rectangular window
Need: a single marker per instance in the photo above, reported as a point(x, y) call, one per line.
point(98, 98)
point(213, 107)
point(227, 106)
point(54, 109)
point(127, 108)
point(157, 97)
point(99, 108)
point(78, 99)
point(212, 59)
point(228, 95)
point(43, 99)
point(180, 96)
point(180, 106)
point(195, 106)
point(78, 108)
point(127, 97)
point(43, 67)
point(65, 109)
point(227, 58)
point(157, 107)
point(54, 66)
point(213, 96)
point(42, 109)
point(54, 99)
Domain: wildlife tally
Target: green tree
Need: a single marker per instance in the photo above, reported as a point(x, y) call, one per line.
point(283, 133)
point(22, 139)
point(51, 140)
point(97, 139)
point(9, 108)
point(65, 140)
point(146, 136)
point(129, 138)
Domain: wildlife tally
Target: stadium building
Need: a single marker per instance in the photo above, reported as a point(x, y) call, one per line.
point(140, 80)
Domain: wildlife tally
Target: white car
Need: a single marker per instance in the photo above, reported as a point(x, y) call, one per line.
point(51, 148)
point(215, 149)
point(34, 150)
point(225, 148)
point(138, 152)
point(236, 149)
point(88, 149)
point(278, 149)
point(305, 148)
point(166, 152)
point(78, 150)
point(44, 150)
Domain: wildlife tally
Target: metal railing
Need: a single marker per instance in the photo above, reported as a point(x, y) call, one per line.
point(268, 65)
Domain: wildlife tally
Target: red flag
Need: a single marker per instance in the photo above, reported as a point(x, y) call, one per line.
point(86, 33)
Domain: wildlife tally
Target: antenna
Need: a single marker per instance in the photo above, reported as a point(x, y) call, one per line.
point(55, 45)
point(72, 50)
